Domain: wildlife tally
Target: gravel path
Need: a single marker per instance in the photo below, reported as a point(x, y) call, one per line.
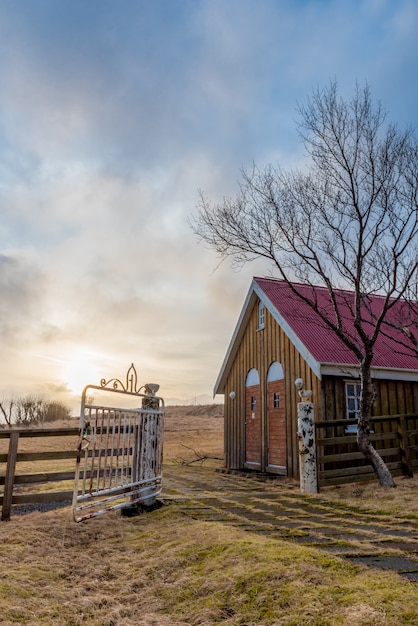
point(279, 510)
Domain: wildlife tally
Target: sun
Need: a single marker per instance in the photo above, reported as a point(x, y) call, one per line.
point(81, 369)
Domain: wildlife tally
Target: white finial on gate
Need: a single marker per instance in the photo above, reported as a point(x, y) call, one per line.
point(151, 389)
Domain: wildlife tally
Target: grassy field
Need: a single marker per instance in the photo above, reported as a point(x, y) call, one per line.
point(163, 568)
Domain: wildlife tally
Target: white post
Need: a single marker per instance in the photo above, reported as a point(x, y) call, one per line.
point(306, 436)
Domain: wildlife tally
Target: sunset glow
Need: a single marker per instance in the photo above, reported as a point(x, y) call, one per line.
point(82, 369)
point(112, 117)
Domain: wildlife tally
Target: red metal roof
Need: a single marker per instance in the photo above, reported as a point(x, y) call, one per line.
point(392, 350)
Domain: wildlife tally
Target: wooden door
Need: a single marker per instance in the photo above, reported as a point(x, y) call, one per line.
point(252, 427)
point(276, 427)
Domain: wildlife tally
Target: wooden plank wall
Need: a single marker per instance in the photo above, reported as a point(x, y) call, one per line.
point(258, 349)
point(392, 397)
point(339, 460)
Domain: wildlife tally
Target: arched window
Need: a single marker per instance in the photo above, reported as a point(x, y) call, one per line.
point(275, 372)
point(253, 378)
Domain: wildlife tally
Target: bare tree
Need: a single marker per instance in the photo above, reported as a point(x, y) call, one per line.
point(7, 406)
point(349, 220)
point(56, 410)
point(30, 410)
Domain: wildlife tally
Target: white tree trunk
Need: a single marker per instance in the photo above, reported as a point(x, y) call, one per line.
point(307, 448)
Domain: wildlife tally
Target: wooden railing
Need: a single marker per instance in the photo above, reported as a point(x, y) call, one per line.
point(51, 466)
point(31, 473)
point(395, 437)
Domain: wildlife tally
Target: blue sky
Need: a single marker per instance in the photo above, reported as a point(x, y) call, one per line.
point(113, 114)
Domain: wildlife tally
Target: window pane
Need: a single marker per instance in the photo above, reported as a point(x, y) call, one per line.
point(276, 400)
point(261, 315)
point(352, 393)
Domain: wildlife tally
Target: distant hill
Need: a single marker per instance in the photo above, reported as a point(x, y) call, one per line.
point(204, 410)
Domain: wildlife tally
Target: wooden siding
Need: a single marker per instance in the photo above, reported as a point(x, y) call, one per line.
point(392, 397)
point(258, 349)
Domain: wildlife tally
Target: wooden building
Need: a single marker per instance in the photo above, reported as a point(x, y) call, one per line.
point(278, 338)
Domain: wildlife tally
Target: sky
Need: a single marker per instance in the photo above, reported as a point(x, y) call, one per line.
point(114, 114)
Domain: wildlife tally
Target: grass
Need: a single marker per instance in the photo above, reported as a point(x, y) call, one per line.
point(166, 569)
point(398, 502)
point(163, 568)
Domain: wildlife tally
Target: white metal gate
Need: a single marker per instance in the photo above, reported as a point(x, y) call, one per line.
point(119, 459)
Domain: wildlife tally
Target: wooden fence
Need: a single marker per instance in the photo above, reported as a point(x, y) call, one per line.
point(48, 475)
point(39, 465)
point(395, 437)
point(54, 466)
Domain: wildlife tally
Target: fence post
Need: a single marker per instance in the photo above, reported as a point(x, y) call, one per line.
point(307, 445)
point(10, 476)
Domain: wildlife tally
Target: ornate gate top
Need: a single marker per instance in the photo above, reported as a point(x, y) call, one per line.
point(131, 385)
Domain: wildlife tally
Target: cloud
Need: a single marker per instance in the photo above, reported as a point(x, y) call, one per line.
point(112, 117)
point(21, 283)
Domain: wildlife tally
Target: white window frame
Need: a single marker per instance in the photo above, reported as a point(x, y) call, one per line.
point(352, 399)
point(352, 403)
point(261, 316)
point(355, 408)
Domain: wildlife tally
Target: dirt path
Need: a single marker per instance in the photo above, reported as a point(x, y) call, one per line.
point(278, 509)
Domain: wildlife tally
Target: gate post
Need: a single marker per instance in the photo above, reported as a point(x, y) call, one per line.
point(306, 438)
point(146, 461)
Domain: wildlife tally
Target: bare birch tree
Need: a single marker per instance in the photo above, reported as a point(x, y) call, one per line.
point(349, 220)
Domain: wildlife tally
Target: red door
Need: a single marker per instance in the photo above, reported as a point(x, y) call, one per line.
point(276, 427)
point(252, 422)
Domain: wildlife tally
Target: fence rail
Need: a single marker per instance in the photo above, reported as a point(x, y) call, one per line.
point(30, 473)
point(23, 488)
point(395, 437)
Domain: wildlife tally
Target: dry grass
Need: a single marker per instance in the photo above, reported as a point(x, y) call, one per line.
point(164, 568)
point(193, 430)
point(401, 501)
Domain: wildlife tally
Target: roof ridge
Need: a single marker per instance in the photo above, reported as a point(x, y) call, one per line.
point(323, 288)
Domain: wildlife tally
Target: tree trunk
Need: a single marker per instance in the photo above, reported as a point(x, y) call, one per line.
point(363, 431)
